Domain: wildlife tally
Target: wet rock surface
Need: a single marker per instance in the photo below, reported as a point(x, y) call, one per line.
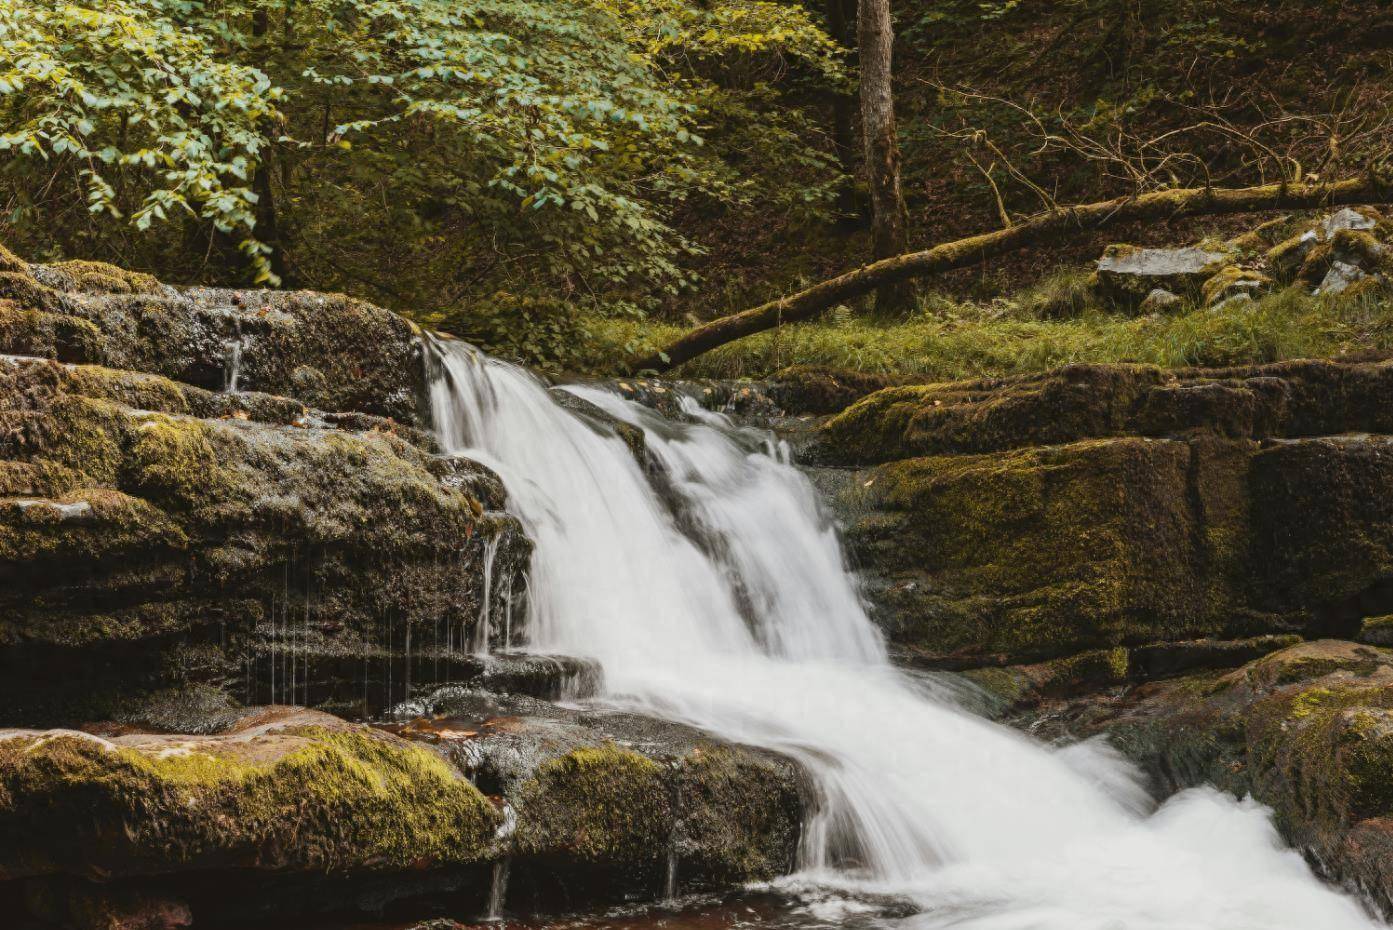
point(597, 788)
point(241, 496)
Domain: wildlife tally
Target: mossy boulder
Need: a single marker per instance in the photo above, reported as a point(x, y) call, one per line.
point(1234, 282)
point(1127, 273)
point(1049, 551)
point(601, 804)
point(303, 794)
point(620, 796)
point(1022, 519)
point(326, 350)
point(1284, 399)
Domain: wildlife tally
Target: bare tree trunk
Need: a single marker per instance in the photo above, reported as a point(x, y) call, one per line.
point(889, 217)
point(840, 13)
point(1205, 201)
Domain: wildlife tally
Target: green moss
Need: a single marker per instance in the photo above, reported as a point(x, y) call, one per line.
point(1039, 552)
point(101, 278)
point(20, 287)
point(29, 331)
point(106, 523)
point(309, 798)
point(740, 815)
point(599, 805)
point(9, 261)
point(84, 435)
point(173, 461)
point(1352, 246)
point(1231, 281)
point(131, 389)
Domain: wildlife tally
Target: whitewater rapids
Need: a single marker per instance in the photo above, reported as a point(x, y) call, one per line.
point(728, 606)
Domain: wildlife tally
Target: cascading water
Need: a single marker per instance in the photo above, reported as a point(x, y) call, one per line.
point(736, 614)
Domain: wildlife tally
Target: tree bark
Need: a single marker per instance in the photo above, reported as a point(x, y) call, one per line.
point(839, 16)
point(889, 218)
point(962, 253)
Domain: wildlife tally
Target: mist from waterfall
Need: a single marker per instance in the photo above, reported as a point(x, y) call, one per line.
point(724, 602)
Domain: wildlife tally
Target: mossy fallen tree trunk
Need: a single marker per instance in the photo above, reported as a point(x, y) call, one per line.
point(961, 253)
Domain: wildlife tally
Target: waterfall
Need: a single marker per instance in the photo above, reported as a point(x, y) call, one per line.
point(725, 603)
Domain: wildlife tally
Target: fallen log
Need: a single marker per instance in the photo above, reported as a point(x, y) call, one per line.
point(961, 253)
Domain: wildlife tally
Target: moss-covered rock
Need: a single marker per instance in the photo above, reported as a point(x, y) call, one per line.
point(1051, 551)
point(1094, 506)
point(97, 278)
point(621, 795)
point(1234, 281)
point(328, 351)
point(304, 794)
point(1285, 399)
point(599, 804)
point(135, 510)
point(1128, 273)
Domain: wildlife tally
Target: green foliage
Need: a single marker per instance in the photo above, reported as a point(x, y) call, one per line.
point(117, 96)
point(429, 151)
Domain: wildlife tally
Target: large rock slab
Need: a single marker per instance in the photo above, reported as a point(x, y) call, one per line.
point(1309, 397)
point(326, 350)
point(597, 789)
point(1128, 273)
point(279, 791)
point(160, 530)
point(1016, 520)
point(281, 812)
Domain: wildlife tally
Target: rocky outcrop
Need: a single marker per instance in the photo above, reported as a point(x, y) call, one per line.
point(156, 534)
point(1018, 520)
point(1127, 274)
point(1307, 730)
point(212, 501)
point(627, 795)
point(328, 351)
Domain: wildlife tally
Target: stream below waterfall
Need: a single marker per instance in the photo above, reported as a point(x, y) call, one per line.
point(717, 596)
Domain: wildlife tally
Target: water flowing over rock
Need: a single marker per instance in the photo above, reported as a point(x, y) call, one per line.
point(725, 605)
point(728, 711)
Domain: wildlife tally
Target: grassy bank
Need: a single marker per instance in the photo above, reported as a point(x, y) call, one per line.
point(947, 340)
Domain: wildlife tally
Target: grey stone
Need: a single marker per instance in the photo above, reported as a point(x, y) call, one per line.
point(1159, 300)
point(1347, 218)
point(1338, 279)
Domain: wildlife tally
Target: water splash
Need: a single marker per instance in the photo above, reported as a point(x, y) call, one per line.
point(728, 606)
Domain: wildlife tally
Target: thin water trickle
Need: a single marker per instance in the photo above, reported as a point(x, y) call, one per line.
point(736, 614)
point(498, 889)
point(232, 366)
point(670, 874)
point(483, 630)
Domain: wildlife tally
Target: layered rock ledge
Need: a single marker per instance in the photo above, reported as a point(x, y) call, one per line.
point(1023, 519)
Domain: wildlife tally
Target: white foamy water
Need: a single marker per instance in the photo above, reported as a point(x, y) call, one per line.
point(729, 607)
